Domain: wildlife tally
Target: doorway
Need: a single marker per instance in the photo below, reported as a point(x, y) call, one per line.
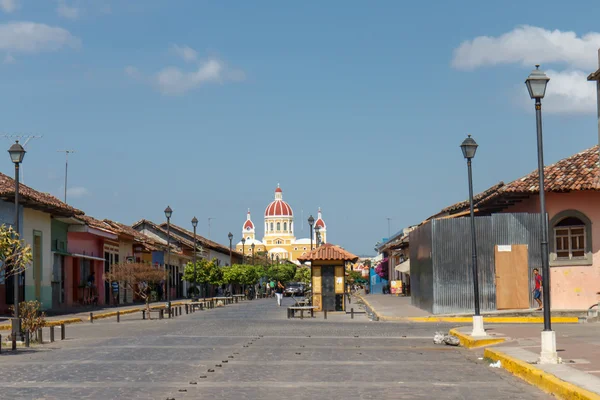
point(512, 277)
point(328, 288)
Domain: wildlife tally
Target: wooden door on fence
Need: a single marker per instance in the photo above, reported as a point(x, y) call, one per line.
point(512, 277)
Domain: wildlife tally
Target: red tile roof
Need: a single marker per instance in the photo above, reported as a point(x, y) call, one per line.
point(577, 172)
point(96, 223)
point(33, 199)
point(328, 252)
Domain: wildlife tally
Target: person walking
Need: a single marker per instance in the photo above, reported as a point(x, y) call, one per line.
point(537, 291)
point(279, 292)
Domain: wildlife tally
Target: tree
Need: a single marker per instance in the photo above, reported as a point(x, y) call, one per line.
point(303, 275)
point(356, 277)
point(138, 277)
point(207, 272)
point(15, 255)
point(281, 272)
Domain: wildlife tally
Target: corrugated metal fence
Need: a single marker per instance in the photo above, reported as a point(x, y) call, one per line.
point(440, 254)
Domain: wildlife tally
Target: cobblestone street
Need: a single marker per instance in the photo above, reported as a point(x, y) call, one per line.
point(251, 351)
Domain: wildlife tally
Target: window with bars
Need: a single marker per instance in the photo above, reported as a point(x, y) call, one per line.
point(569, 236)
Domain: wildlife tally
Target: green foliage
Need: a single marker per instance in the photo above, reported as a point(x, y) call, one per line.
point(15, 255)
point(207, 271)
point(281, 272)
point(31, 318)
point(242, 273)
point(356, 277)
point(302, 275)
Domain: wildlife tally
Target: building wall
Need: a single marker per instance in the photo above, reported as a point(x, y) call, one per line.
point(572, 287)
point(91, 245)
point(39, 221)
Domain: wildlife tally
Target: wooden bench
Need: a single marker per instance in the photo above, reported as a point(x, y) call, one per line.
point(198, 304)
point(292, 311)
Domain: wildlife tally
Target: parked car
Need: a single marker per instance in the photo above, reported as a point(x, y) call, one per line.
point(294, 288)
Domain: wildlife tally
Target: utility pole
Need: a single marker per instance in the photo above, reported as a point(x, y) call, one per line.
point(66, 167)
point(24, 139)
point(209, 219)
point(389, 231)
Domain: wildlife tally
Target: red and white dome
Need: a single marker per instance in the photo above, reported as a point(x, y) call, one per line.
point(278, 207)
point(320, 223)
point(248, 225)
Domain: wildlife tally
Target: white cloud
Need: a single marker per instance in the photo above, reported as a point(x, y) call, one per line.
point(568, 90)
point(67, 11)
point(9, 59)
point(77, 192)
point(31, 37)
point(172, 80)
point(9, 6)
point(529, 45)
point(185, 52)
point(132, 71)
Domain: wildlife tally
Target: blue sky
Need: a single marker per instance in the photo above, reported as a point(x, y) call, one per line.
point(355, 107)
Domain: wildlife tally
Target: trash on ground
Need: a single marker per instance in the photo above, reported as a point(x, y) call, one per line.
point(438, 338)
point(451, 340)
point(497, 364)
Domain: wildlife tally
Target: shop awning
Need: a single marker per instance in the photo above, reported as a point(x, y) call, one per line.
point(403, 267)
point(87, 257)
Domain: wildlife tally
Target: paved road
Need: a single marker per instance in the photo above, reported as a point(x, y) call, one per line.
point(251, 351)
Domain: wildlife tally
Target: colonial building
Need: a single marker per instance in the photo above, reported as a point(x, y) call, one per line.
point(279, 241)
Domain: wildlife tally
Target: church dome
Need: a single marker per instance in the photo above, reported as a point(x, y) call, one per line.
point(278, 207)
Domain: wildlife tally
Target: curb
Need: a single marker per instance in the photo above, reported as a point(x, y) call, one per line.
point(49, 323)
point(114, 313)
point(541, 379)
point(469, 342)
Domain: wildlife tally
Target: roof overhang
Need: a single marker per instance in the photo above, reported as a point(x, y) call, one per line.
point(93, 231)
point(87, 257)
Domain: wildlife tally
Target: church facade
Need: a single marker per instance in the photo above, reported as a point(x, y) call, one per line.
point(279, 241)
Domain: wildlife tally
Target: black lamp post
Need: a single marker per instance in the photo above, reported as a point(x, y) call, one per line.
point(243, 250)
point(252, 247)
point(168, 214)
point(536, 83)
point(230, 236)
point(194, 224)
point(17, 153)
point(272, 258)
point(311, 222)
point(469, 147)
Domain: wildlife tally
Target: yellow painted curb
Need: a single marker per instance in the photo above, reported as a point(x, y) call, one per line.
point(470, 342)
point(498, 320)
point(114, 313)
point(49, 323)
point(541, 379)
point(380, 317)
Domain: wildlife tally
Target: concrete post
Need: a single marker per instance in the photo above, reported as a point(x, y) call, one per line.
point(118, 316)
point(63, 334)
point(91, 318)
point(52, 334)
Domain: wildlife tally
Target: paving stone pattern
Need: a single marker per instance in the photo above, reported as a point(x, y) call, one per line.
point(252, 351)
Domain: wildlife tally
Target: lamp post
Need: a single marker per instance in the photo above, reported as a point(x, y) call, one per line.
point(194, 224)
point(311, 222)
point(243, 251)
point(17, 153)
point(230, 236)
point(536, 85)
point(168, 214)
point(253, 245)
point(469, 147)
point(272, 258)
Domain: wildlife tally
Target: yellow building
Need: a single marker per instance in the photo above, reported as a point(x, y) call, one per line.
point(279, 240)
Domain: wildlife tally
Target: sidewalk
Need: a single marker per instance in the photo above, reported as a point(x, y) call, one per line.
point(399, 308)
point(99, 312)
point(578, 345)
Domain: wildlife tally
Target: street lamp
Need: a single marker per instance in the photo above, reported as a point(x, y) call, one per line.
point(253, 245)
point(469, 147)
point(17, 153)
point(230, 236)
point(536, 85)
point(168, 214)
point(194, 224)
point(272, 258)
point(311, 222)
point(243, 250)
